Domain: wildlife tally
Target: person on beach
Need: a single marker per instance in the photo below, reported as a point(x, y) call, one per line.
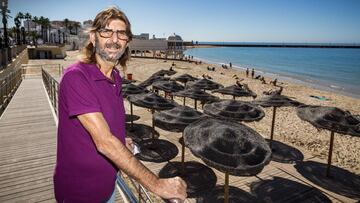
point(247, 72)
point(91, 143)
point(230, 64)
point(252, 73)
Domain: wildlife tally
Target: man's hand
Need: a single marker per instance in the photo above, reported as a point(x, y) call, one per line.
point(130, 144)
point(171, 188)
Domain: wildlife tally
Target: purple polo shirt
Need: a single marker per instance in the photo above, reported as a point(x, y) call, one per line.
point(82, 174)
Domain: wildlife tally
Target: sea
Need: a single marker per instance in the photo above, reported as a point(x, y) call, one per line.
point(331, 69)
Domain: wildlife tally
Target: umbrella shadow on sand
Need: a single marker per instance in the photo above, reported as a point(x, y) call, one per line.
point(280, 189)
point(198, 177)
point(128, 118)
point(341, 181)
point(216, 195)
point(284, 153)
point(140, 132)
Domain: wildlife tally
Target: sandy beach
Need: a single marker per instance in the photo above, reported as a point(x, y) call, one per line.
point(289, 129)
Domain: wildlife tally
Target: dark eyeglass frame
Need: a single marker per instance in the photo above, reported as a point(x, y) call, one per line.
point(108, 33)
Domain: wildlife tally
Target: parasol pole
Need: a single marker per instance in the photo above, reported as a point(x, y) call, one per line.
point(272, 127)
point(233, 97)
point(183, 154)
point(132, 118)
point(184, 101)
point(226, 188)
point(152, 120)
point(195, 104)
point(330, 154)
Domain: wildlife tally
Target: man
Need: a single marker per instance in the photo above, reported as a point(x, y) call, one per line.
point(91, 144)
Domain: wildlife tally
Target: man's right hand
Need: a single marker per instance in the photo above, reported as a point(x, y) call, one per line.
point(171, 188)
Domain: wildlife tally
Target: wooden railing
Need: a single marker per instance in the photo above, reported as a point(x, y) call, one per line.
point(8, 87)
point(52, 88)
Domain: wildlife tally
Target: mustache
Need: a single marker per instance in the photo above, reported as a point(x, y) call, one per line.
point(113, 45)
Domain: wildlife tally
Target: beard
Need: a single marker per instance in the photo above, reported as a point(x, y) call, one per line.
point(106, 55)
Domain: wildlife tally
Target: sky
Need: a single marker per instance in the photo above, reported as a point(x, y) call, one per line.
point(303, 21)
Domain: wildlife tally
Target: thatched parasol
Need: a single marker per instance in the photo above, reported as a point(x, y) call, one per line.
point(236, 91)
point(232, 148)
point(175, 120)
point(184, 78)
point(130, 89)
point(275, 101)
point(234, 110)
point(332, 119)
point(168, 86)
point(150, 101)
point(196, 94)
point(206, 84)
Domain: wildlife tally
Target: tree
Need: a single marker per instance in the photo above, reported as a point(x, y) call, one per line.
point(5, 16)
point(77, 26)
point(47, 28)
point(17, 23)
point(28, 17)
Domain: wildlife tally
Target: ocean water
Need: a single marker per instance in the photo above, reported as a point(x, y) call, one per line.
point(333, 69)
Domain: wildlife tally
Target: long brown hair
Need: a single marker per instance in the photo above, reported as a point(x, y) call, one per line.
point(101, 20)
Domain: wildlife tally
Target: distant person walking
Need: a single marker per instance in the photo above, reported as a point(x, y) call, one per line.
point(91, 143)
point(252, 73)
point(247, 72)
point(230, 64)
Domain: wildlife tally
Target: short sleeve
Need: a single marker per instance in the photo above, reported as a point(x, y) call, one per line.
point(77, 94)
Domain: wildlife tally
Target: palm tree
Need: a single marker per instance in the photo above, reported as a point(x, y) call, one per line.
point(41, 23)
point(47, 28)
point(17, 22)
point(5, 16)
point(28, 17)
point(77, 26)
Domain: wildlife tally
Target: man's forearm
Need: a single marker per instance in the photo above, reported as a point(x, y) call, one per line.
point(128, 163)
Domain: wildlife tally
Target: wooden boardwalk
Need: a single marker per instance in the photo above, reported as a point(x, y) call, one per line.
point(28, 146)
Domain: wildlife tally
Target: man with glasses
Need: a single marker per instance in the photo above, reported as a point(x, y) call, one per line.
point(91, 145)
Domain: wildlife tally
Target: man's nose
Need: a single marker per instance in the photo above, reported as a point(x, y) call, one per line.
point(115, 37)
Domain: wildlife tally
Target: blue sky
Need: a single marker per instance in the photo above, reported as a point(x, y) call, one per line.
point(324, 21)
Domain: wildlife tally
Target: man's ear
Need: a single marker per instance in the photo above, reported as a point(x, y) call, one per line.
point(92, 37)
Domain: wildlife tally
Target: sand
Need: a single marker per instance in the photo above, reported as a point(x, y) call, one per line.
point(289, 129)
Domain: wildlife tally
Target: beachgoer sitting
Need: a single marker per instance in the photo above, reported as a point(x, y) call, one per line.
point(262, 79)
point(273, 92)
point(258, 77)
point(273, 82)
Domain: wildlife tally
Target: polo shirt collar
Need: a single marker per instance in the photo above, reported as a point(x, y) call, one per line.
point(97, 75)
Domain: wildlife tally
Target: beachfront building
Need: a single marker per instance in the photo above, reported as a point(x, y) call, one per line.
point(172, 47)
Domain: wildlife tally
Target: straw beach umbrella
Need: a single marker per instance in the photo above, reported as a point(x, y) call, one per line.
point(152, 79)
point(275, 101)
point(234, 110)
point(206, 84)
point(175, 120)
point(151, 101)
point(236, 91)
point(332, 119)
point(184, 78)
point(131, 89)
point(168, 86)
point(196, 94)
point(232, 148)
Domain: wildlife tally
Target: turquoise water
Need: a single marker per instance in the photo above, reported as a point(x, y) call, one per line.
point(327, 68)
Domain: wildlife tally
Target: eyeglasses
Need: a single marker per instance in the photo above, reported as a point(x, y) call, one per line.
point(107, 33)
